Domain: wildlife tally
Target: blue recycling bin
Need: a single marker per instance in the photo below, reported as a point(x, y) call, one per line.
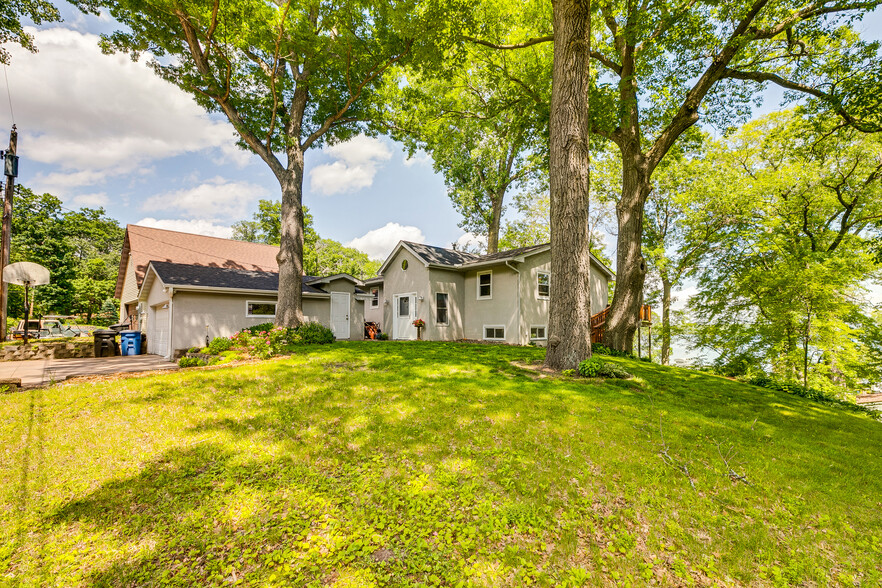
point(130, 342)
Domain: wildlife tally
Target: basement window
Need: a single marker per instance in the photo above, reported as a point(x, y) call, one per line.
point(494, 332)
point(537, 333)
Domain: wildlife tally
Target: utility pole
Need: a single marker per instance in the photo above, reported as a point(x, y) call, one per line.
point(10, 169)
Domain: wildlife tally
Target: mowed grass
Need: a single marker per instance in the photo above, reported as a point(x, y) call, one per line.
point(434, 464)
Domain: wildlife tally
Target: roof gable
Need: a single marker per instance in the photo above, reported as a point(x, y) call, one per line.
point(145, 244)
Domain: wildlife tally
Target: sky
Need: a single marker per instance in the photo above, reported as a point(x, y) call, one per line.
point(100, 130)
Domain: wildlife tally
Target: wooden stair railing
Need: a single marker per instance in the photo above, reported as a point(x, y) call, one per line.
point(598, 322)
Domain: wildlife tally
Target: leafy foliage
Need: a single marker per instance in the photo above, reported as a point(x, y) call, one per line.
point(321, 257)
point(315, 333)
point(594, 367)
point(186, 362)
point(80, 248)
point(784, 289)
point(219, 345)
point(11, 28)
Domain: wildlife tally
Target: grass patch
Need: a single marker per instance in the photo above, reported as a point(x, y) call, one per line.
point(434, 464)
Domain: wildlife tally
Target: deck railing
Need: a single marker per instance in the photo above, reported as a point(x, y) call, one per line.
point(598, 321)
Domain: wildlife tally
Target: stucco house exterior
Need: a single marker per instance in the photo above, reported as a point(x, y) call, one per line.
point(180, 288)
point(500, 297)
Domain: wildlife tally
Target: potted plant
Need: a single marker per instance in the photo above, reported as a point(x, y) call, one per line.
point(419, 324)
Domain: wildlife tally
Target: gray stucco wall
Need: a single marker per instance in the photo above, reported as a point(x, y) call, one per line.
point(415, 279)
point(374, 314)
point(499, 310)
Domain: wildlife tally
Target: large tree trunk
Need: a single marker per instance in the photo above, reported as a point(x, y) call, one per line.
point(666, 321)
point(289, 312)
point(624, 312)
point(495, 220)
point(570, 308)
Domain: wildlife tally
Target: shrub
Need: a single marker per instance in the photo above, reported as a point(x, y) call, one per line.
point(220, 344)
point(383, 336)
point(186, 362)
point(591, 367)
point(594, 367)
point(315, 333)
point(256, 329)
point(764, 381)
point(600, 349)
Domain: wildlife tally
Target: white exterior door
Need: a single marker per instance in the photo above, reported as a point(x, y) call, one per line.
point(157, 338)
point(340, 314)
point(404, 313)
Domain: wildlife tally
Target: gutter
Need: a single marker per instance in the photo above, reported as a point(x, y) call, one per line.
point(518, 272)
point(171, 323)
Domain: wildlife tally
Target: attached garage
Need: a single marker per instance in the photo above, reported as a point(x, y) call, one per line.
point(183, 305)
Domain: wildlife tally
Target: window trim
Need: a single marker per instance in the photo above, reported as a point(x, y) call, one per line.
point(375, 297)
point(539, 295)
point(486, 338)
point(446, 308)
point(543, 338)
point(248, 314)
point(490, 295)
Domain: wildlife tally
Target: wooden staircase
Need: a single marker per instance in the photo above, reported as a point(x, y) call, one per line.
point(598, 322)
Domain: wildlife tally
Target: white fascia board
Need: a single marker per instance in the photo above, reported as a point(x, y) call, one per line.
point(249, 291)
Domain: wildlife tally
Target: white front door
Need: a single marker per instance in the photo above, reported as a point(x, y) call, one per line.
point(404, 313)
point(340, 314)
point(157, 339)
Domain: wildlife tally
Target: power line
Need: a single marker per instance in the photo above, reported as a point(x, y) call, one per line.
point(8, 94)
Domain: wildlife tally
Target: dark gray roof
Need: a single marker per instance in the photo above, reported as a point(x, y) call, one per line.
point(179, 274)
point(439, 255)
point(499, 255)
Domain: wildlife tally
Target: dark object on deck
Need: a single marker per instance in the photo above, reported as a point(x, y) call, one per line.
point(371, 330)
point(130, 342)
point(105, 343)
point(143, 343)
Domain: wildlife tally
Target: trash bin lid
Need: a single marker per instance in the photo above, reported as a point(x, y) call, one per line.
point(104, 333)
point(129, 332)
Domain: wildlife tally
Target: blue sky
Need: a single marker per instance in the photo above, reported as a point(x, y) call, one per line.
point(99, 130)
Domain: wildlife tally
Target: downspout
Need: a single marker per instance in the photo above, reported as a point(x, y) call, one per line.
point(171, 324)
point(515, 270)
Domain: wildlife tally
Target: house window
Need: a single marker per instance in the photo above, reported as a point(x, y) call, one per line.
point(495, 332)
point(404, 306)
point(537, 333)
point(485, 285)
point(375, 297)
point(441, 308)
point(543, 283)
point(260, 309)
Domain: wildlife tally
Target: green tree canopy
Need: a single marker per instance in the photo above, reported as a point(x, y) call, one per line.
point(783, 290)
point(288, 76)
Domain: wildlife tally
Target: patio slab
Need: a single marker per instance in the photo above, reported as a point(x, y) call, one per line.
point(42, 372)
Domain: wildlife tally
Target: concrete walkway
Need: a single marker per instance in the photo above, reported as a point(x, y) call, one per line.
point(42, 372)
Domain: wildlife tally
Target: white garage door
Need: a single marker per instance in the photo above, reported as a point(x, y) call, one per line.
point(157, 338)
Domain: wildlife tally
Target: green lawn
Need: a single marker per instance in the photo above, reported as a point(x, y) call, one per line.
point(434, 464)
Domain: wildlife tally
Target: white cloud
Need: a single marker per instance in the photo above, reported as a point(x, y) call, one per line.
point(215, 199)
point(358, 161)
point(472, 243)
point(378, 244)
point(95, 115)
point(91, 200)
point(418, 158)
point(200, 227)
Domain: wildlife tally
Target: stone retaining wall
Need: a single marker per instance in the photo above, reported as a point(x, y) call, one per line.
point(37, 349)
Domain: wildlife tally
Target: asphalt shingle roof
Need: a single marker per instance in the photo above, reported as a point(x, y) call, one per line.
point(439, 255)
point(180, 274)
point(145, 244)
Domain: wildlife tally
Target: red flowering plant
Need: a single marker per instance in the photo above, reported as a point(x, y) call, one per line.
point(419, 323)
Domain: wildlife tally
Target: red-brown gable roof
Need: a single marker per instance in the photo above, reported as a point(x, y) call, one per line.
point(146, 244)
